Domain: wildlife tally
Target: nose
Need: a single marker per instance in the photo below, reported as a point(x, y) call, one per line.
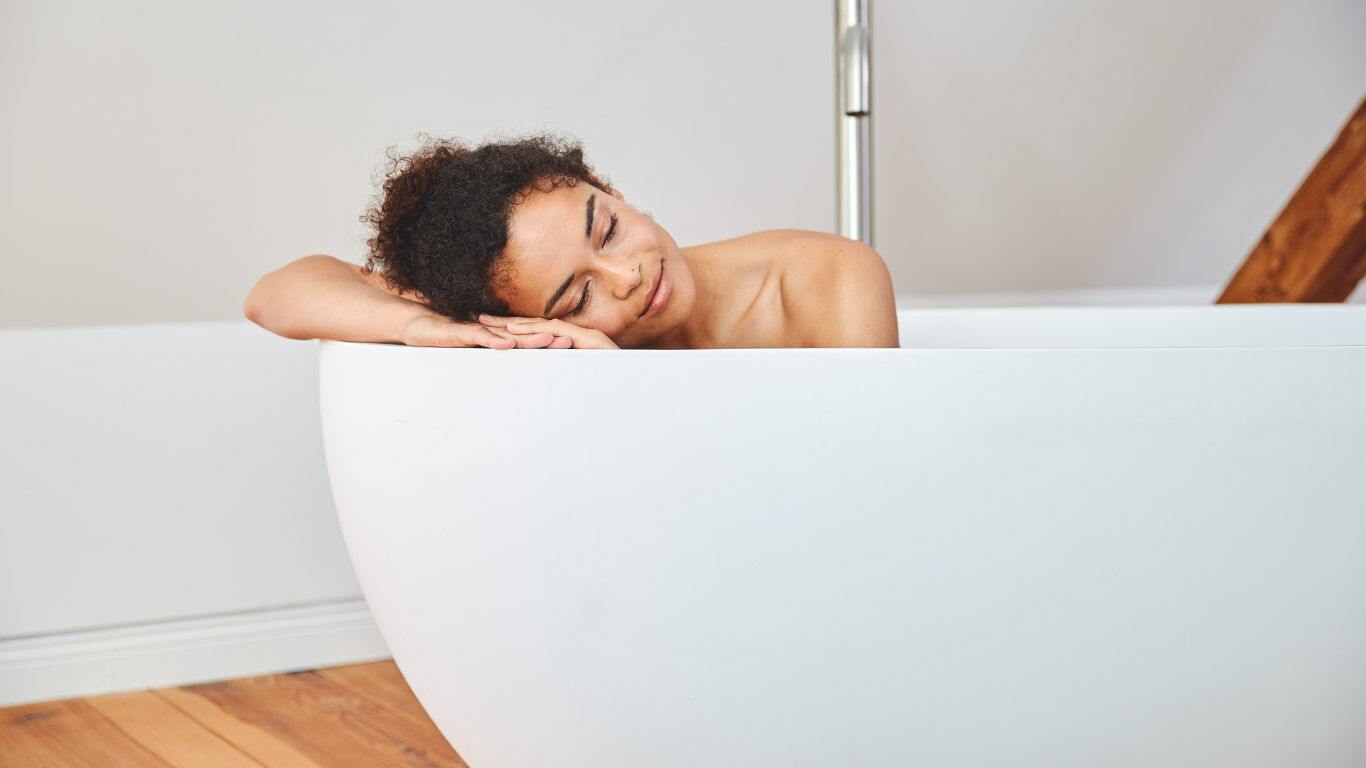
point(623, 274)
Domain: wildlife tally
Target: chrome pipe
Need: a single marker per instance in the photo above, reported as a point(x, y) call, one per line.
point(853, 102)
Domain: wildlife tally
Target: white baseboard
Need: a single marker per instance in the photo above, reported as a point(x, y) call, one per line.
point(180, 652)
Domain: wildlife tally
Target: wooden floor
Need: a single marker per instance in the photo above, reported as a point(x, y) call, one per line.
point(358, 715)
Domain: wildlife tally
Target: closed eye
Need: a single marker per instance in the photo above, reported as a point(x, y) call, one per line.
point(587, 287)
point(583, 302)
point(611, 230)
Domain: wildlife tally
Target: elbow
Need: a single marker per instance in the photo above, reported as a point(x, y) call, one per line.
point(257, 308)
point(269, 292)
point(251, 308)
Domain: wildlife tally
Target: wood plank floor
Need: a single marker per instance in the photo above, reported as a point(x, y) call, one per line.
point(336, 717)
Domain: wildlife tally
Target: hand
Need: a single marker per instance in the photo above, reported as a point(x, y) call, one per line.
point(567, 335)
point(433, 330)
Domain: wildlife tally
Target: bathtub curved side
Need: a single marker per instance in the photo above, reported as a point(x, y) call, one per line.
point(870, 557)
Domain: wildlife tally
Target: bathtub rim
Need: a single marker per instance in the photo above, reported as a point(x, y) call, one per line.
point(1212, 326)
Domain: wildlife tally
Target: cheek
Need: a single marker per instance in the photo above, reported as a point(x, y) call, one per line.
point(599, 320)
point(617, 325)
point(614, 325)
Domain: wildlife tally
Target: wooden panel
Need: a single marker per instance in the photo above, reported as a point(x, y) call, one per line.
point(383, 684)
point(1316, 248)
point(357, 715)
point(260, 743)
point(315, 718)
point(68, 734)
point(167, 732)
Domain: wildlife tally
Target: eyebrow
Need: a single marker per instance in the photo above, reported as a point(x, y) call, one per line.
point(587, 233)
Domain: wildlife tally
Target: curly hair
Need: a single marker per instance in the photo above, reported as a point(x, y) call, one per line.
point(441, 221)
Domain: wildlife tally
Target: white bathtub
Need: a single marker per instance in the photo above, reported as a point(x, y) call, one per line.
point(1042, 537)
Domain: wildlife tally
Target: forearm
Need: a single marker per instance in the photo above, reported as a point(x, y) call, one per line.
point(319, 297)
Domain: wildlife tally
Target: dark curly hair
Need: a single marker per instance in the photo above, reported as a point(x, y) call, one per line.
point(441, 221)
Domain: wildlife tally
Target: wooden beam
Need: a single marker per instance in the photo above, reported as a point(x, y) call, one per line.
point(1315, 251)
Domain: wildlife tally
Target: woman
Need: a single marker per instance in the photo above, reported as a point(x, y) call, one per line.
point(519, 244)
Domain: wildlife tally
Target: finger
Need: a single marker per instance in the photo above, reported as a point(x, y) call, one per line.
point(532, 325)
point(538, 325)
point(594, 339)
point(561, 342)
point(486, 338)
point(526, 340)
point(583, 338)
point(502, 321)
point(536, 340)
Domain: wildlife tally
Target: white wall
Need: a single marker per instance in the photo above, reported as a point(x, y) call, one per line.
point(165, 513)
point(160, 156)
point(152, 472)
point(1074, 145)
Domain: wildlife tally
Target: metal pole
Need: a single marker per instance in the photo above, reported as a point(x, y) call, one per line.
point(853, 75)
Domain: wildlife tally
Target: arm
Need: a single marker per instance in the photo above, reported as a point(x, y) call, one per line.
point(319, 297)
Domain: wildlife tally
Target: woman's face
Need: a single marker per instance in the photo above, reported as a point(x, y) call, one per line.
point(585, 256)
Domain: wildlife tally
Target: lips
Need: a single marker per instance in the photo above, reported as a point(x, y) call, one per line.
point(654, 289)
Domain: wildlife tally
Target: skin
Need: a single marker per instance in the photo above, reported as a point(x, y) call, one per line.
point(783, 288)
point(779, 288)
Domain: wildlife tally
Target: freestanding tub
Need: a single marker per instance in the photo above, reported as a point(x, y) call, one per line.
point(1036, 537)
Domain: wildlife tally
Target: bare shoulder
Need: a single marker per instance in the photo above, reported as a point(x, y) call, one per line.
point(793, 244)
point(836, 292)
